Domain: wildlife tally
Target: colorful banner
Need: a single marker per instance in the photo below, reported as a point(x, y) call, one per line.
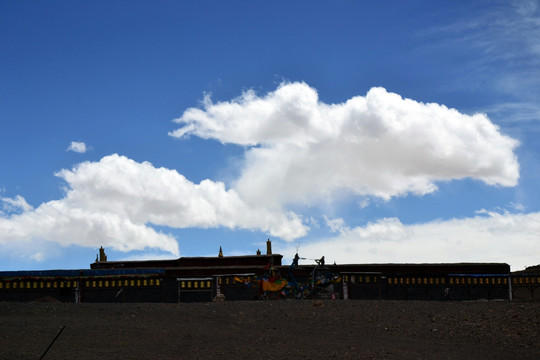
point(273, 286)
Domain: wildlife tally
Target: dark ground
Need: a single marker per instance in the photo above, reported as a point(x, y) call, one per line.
point(272, 330)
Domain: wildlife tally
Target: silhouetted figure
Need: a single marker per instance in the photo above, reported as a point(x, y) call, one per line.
point(295, 260)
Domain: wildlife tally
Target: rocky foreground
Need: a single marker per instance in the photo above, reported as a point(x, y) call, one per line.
point(272, 330)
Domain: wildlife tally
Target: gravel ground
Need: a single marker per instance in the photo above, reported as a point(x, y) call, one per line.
point(285, 329)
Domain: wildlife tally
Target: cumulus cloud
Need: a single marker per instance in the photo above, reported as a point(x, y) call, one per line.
point(299, 150)
point(161, 196)
point(113, 201)
point(65, 223)
point(78, 147)
point(302, 150)
point(488, 237)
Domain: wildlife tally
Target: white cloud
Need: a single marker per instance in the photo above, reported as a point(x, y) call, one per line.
point(364, 202)
point(335, 225)
point(111, 203)
point(517, 206)
point(303, 150)
point(78, 147)
point(14, 205)
point(160, 196)
point(298, 150)
point(38, 257)
point(67, 224)
point(491, 237)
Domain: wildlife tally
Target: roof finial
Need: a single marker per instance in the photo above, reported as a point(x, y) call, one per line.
point(268, 247)
point(102, 255)
point(220, 252)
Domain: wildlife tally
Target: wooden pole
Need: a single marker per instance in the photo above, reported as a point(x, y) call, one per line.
point(51, 344)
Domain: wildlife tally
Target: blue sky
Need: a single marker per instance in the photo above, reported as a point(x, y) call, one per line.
point(362, 131)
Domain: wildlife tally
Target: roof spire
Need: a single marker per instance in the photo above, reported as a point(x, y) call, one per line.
point(102, 255)
point(268, 247)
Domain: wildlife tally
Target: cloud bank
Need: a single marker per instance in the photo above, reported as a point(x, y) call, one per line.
point(303, 150)
point(113, 202)
point(487, 237)
point(298, 151)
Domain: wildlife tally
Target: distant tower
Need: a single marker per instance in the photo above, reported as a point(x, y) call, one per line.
point(102, 255)
point(268, 247)
point(220, 252)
